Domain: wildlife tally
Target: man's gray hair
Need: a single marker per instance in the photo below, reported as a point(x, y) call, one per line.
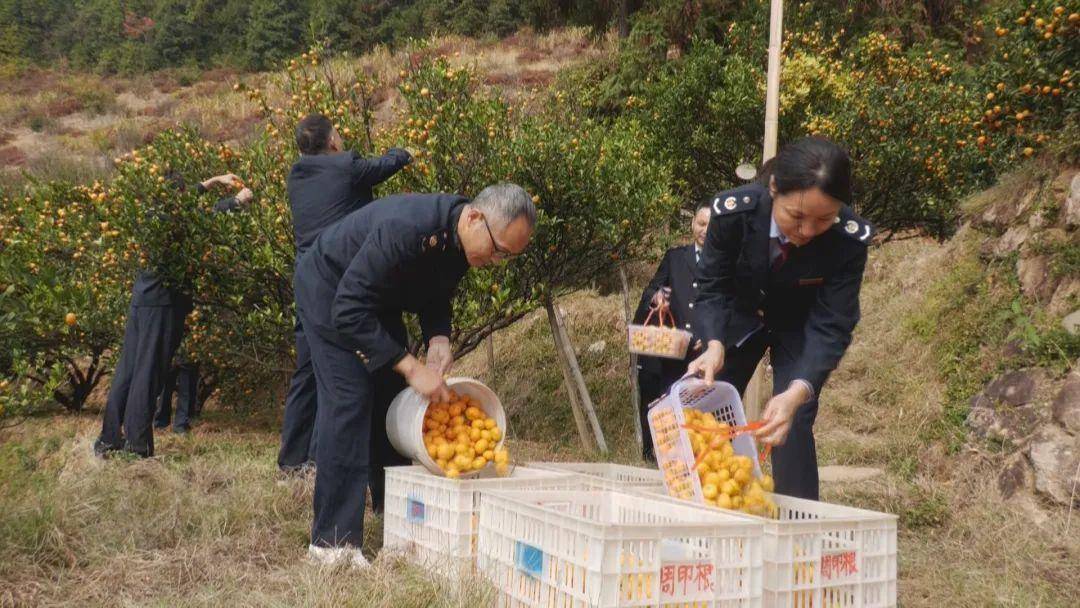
point(503, 203)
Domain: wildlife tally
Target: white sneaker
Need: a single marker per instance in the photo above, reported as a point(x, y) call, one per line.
point(333, 556)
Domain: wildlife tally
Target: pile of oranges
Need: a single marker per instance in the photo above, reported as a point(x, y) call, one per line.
point(461, 438)
point(727, 479)
point(662, 341)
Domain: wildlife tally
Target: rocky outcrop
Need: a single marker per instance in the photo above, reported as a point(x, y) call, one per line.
point(1055, 458)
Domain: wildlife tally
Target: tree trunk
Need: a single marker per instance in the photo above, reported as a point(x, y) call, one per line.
point(635, 395)
point(579, 379)
point(491, 356)
point(624, 18)
point(568, 378)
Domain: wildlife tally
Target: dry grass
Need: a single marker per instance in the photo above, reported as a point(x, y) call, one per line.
point(206, 524)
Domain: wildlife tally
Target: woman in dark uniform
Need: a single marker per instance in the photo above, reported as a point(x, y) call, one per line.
point(781, 270)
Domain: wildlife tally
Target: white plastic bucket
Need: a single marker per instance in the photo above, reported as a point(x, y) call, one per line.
point(405, 420)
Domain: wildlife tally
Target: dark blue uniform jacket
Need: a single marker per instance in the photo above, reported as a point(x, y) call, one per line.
point(323, 188)
point(400, 253)
point(815, 292)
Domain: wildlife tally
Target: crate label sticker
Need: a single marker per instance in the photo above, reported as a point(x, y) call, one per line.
point(529, 559)
point(680, 580)
point(838, 564)
point(415, 511)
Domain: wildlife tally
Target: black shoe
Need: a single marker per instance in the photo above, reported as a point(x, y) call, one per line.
point(102, 449)
point(180, 430)
point(297, 471)
point(161, 426)
point(139, 453)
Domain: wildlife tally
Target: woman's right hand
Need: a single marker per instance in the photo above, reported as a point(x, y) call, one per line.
point(709, 363)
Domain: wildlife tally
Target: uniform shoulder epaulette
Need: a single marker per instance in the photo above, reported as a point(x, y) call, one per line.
point(854, 227)
point(734, 201)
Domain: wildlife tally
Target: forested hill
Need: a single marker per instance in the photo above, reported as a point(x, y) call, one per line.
point(137, 35)
point(130, 36)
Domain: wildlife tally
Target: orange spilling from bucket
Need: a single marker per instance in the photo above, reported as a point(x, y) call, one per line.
point(461, 438)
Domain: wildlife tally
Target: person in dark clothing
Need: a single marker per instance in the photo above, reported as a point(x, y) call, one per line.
point(324, 185)
point(182, 381)
point(673, 289)
point(154, 329)
point(781, 270)
point(402, 253)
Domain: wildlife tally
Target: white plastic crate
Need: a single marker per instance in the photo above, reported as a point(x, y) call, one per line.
point(433, 520)
point(820, 554)
point(608, 475)
point(605, 549)
point(674, 454)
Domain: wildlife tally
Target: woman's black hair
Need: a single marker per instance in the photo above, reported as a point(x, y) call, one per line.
point(313, 134)
point(813, 162)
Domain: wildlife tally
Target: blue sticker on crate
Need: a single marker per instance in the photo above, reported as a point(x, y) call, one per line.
point(529, 559)
point(415, 511)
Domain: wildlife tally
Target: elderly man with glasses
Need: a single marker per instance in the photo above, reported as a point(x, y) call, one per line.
point(402, 253)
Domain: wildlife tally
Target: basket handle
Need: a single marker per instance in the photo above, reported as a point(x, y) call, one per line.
point(661, 315)
point(731, 433)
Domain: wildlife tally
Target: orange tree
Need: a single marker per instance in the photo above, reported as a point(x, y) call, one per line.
point(62, 301)
point(1027, 81)
point(598, 194)
point(599, 197)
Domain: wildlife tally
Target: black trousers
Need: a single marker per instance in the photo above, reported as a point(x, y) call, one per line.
point(183, 381)
point(151, 336)
point(795, 462)
point(353, 449)
point(298, 443)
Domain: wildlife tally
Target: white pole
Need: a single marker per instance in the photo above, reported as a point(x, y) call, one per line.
point(756, 394)
point(772, 83)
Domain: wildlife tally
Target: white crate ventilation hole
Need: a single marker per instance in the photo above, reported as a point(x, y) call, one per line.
point(820, 554)
point(433, 520)
point(608, 475)
point(610, 549)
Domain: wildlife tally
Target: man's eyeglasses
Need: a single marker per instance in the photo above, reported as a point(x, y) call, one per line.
point(500, 253)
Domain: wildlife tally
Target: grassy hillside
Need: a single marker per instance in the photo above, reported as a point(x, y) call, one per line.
point(56, 124)
point(206, 522)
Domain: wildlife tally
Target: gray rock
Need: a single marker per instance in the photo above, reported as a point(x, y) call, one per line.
point(1015, 387)
point(1071, 322)
point(597, 347)
point(1011, 241)
point(1066, 405)
point(1016, 476)
point(1004, 212)
point(1038, 221)
point(1070, 210)
point(1002, 423)
point(1055, 458)
point(1035, 279)
point(1066, 297)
